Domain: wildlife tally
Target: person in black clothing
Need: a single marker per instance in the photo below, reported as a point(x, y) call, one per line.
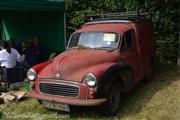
point(12, 43)
point(27, 60)
point(36, 49)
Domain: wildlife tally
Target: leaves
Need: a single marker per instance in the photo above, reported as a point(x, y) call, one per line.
point(165, 15)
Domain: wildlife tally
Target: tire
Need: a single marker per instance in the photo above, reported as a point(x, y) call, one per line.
point(150, 74)
point(112, 106)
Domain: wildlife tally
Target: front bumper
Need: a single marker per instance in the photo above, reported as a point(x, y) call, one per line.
point(69, 101)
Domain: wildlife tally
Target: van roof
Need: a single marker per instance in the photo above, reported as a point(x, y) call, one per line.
point(123, 17)
point(106, 21)
point(107, 27)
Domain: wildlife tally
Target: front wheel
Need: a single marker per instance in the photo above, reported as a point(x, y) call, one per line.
point(112, 106)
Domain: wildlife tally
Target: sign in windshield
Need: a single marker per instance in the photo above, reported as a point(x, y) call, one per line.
point(94, 40)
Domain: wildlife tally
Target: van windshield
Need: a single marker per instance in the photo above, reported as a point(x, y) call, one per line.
point(94, 40)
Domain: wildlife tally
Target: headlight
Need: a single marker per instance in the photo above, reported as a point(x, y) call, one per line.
point(31, 74)
point(90, 79)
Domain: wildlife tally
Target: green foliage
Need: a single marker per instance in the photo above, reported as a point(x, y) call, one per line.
point(167, 49)
point(165, 15)
point(79, 16)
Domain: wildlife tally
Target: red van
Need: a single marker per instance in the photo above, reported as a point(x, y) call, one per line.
point(103, 59)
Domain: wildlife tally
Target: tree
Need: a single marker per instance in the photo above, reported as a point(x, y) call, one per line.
point(165, 15)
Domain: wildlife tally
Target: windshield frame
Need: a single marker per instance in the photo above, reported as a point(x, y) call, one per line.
point(118, 38)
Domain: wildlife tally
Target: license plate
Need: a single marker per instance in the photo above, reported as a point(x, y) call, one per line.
point(56, 106)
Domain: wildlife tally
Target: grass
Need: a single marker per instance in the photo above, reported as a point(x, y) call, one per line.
point(158, 100)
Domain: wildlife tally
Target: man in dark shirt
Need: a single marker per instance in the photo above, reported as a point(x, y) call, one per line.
point(26, 55)
point(12, 43)
point(36, 49)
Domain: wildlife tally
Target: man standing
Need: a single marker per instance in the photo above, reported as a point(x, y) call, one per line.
point(36, 49)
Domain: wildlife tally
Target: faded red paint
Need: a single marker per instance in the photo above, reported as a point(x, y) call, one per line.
point(41, 66)
point(73, 65)
point(115, 27)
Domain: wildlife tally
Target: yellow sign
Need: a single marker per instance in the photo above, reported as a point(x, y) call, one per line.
point(109, 37)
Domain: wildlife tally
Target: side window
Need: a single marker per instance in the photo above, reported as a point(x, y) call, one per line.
point(123, 45)
point(128, 40)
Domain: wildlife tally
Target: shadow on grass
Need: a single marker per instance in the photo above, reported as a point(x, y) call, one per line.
point(25, 98)
point(134, 101)
point(137, 98)
point(1, 115)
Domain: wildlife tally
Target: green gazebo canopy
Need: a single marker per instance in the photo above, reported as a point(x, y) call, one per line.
point(23, 19)
point(32, 5)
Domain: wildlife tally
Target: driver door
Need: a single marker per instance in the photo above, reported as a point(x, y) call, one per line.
point(129, 54)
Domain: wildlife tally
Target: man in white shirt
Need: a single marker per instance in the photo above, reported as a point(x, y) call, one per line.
point(9, 57)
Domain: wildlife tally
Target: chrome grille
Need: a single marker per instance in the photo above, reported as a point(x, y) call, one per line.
point(59, 89)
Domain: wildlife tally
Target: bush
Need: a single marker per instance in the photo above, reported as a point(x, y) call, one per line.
point(165, 15)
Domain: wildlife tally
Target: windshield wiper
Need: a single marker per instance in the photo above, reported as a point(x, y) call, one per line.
point(110, 49)
point(104, 48)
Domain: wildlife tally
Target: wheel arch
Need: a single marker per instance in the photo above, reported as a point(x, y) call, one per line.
point(116, 71)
